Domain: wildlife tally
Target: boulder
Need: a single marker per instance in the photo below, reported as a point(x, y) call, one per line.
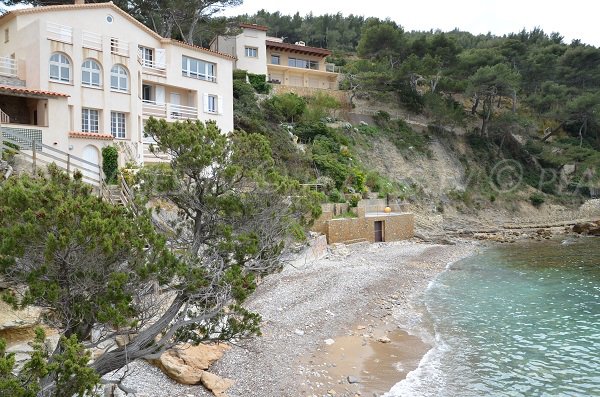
point(594, 231)
point(216, 384)
point(186, 363)
point(26, 318)
point(584, 228)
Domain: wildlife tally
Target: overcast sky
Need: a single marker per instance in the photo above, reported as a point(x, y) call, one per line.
point(571, 18)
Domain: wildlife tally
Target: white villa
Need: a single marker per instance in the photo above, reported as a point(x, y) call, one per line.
point(82, 76)
point(295, 65)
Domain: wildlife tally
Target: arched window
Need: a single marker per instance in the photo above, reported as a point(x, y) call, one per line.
point(119, 79)
point(90, 73)
point(60, 67)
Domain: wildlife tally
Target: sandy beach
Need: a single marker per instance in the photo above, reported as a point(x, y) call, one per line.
point(343, 325)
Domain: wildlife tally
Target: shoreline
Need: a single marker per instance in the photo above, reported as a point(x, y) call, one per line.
point(376, 336)
point(353, 296)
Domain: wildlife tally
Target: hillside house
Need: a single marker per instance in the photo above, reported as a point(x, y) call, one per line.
point(295, 65)
point(79, 77)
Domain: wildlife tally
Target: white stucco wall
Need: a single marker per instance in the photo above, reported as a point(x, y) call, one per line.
point(33, 50)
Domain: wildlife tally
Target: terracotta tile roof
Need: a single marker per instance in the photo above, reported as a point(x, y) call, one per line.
point(26, 91)
point(298, 48)
point(11, 14)
point(92, 135)
point(254, 26)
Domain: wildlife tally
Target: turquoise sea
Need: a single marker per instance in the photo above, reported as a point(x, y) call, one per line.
point(515, 320)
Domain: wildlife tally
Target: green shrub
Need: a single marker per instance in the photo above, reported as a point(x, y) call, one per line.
point(537, 199)
point(382, 119)
point(354, 199)
point(259, 83)
point(336, 197)
point(110, 163)
point(368, 130)
point(239, 74)
point(286, 107)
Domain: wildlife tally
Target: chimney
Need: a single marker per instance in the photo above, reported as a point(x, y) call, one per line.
point(79, 1)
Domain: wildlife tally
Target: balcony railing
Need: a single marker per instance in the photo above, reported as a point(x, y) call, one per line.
point(169, 111)
point(8, 67)
point(152, 66)
point(119, 47)
point(59, 32)
point(91, 40)
point(4, 118)
point(330, 67)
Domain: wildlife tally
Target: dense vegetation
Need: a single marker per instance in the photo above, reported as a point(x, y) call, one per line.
point(530, 84)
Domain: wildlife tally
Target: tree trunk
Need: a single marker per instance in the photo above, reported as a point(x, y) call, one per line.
point(487, 113)
point(143, 345)
point(514, 101)
point(189, 38)
point(475, 104)
point(552, 132)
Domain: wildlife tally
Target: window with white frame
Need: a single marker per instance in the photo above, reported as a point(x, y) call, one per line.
point(119, 79)
point(251, 52)
point(89, 120)
point(90, 73)
point(117, 124)
point(213, 101)
point(60, 67)
point(147, 56)
point(198, 69)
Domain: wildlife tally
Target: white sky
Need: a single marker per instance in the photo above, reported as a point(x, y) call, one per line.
point(573, 19)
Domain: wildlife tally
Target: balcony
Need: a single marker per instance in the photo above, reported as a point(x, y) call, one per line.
point(333, 68)
point(58, 32)
point(169, 111)
point(152, 67)
point(8, 67)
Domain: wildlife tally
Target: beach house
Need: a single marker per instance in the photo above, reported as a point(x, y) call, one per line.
point(79, 77)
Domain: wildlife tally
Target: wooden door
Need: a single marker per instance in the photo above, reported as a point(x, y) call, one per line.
point(379, 231)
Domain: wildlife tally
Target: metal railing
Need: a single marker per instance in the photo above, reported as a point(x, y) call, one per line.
point(58, 32)
point(8, 67)
point(91, 40)
point(38, 154)
point(169, 110)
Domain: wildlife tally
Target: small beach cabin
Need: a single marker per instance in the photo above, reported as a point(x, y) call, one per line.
point(371, 220)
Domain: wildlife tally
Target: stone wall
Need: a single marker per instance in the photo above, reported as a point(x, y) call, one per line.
point(395, 227)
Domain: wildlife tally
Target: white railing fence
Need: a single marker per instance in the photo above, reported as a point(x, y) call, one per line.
point(91, 40)
point(58, 32)
point(152, 64)
point(38, 154)
point(119, 47)
point(4, 118)
point(8, 67)
point(169, 110)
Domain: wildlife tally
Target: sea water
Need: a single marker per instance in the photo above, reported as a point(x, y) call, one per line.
point(516, 320)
